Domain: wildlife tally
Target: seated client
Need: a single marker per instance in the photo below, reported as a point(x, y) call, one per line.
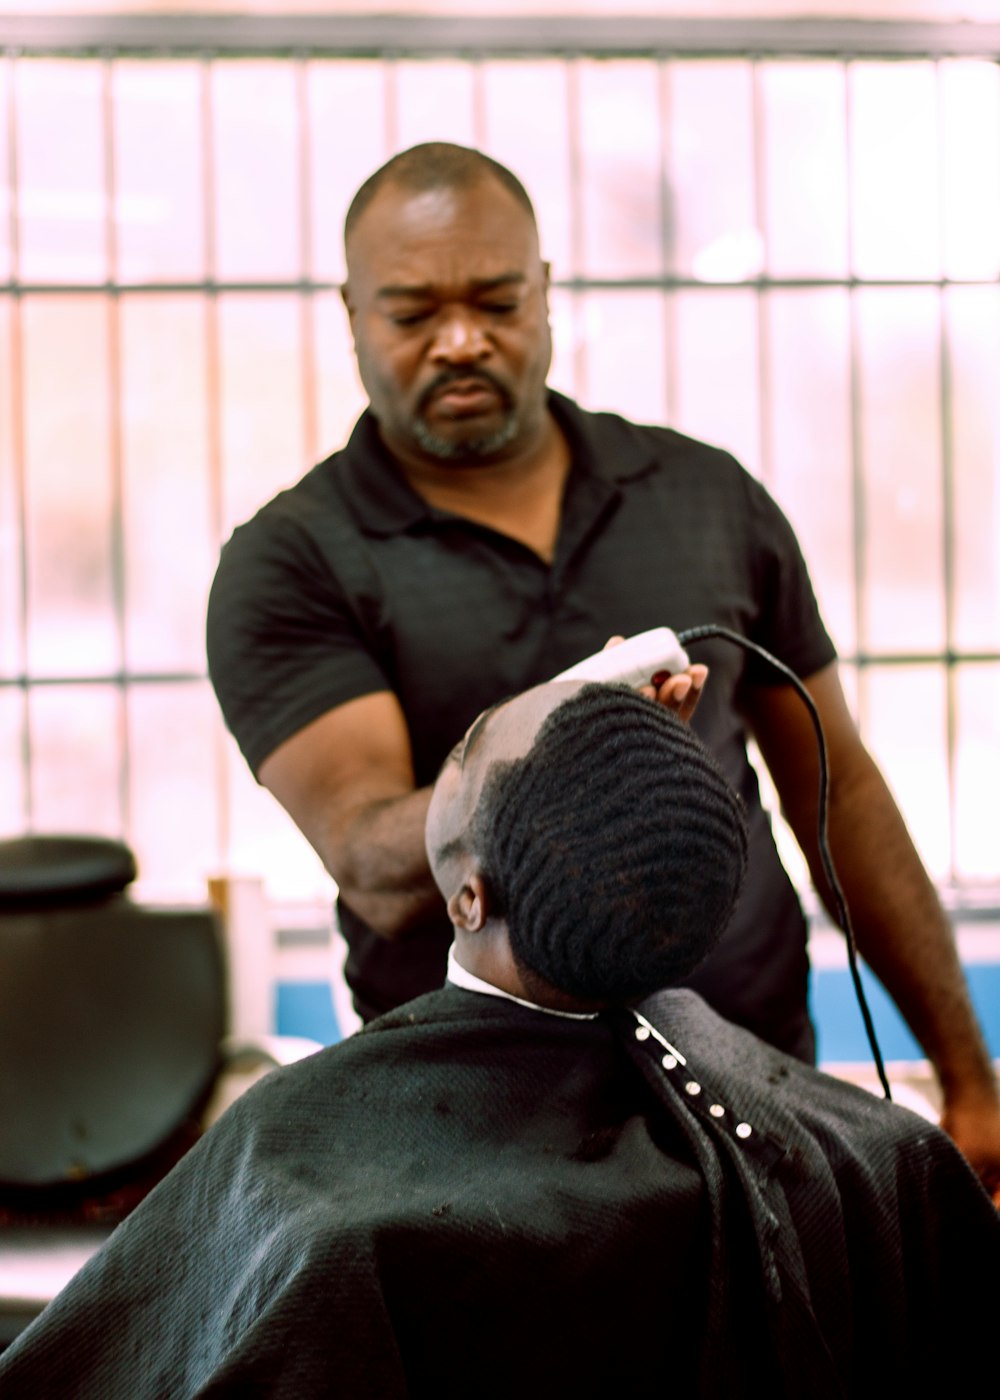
point(560, 1175)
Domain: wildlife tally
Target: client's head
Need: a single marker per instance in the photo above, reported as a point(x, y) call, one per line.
point(586, 843)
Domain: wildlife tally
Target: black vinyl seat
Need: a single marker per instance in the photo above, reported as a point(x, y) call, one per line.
point(111, 1013)
point(113, 1056)
point(49, 872)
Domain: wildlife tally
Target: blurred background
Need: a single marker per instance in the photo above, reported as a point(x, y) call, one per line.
point(776, 231)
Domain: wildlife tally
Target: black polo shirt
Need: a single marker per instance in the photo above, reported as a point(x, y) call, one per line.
point(349, 583)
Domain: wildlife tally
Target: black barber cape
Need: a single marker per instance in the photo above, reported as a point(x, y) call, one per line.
point(472, 1198)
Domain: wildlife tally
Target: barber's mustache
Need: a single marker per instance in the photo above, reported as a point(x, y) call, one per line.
point(447, 377)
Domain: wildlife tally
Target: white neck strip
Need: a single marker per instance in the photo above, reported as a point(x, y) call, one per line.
point(459, 976)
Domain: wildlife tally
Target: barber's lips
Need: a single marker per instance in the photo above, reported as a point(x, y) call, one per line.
point(466, 398)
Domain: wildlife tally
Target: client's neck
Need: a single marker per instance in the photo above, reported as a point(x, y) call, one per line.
point(487, 954)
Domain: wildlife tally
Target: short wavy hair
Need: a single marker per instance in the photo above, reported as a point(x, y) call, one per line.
point(615, 849)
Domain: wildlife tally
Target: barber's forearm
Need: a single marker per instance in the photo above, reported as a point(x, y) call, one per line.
point(903, 932)
point(380, 864)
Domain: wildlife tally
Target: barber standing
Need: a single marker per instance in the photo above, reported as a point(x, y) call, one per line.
point(478, 534)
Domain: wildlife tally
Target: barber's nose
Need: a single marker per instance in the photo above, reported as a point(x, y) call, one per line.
point(460, 339)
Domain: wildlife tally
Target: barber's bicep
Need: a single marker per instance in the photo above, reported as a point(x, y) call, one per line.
point(285, 644)
point(334, 768)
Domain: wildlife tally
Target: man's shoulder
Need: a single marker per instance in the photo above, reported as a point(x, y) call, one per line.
point(625, 447)
point(426, 1030)
point(356, 494)
point(441, 1014)
point(314, 497)
point(307, 524)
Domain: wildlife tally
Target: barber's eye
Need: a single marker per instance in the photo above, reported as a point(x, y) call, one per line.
point(410, 318)
point(501, 308)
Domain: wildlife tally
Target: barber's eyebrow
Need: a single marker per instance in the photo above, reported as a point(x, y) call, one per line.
point(424, 289)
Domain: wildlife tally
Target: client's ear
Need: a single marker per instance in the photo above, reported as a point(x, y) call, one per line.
point(468, 907)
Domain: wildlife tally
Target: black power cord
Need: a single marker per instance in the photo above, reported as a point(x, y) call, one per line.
point(701, 634)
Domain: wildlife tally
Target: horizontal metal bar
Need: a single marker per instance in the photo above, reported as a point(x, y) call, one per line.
point(948, 659)
point(119, 678)
point(207, 287)
point(863, 660)
point(308, 287)
point(975, 901)
point(670, 282)
point(508, 35)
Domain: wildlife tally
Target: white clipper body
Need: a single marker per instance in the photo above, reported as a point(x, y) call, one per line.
point(632, 662)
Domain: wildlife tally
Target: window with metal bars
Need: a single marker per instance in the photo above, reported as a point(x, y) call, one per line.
point(795, 257)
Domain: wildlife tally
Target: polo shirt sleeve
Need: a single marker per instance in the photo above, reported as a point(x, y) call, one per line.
point(287, 634)
point(788, 621)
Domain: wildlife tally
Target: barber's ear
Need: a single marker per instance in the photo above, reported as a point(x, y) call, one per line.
point(468, 907)
point(348, 300)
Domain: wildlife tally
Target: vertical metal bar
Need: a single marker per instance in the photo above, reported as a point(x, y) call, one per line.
point(18, 447)
point(478, 101)
point(856, 408)
point(948, 519)
point(114, 410)
point(668, 239)
point(210, 277)
point(307, 317)
point(213, 417)
point(576, 225)
point(762, 298)
point(391, 98)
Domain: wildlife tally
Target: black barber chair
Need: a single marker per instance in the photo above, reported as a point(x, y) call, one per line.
point(112, 1018)
point(111, 1014)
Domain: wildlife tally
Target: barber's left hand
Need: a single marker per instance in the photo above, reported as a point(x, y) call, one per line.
point(976, 1132)
point(680, 692)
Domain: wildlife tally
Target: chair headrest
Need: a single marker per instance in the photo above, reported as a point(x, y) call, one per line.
point(50, 871)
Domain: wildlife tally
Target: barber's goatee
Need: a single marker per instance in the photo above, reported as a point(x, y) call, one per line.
point(473, 447)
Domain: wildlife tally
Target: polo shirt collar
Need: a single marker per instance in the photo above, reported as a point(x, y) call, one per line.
point(382, 499)
point(386, 504)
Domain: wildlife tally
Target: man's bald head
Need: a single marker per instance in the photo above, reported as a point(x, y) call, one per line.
point(611, 846)
point(434, 165)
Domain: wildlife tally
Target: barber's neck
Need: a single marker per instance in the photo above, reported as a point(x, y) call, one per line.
point(518, 495)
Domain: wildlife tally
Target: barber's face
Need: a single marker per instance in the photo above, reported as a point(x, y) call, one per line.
point(447, 298)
